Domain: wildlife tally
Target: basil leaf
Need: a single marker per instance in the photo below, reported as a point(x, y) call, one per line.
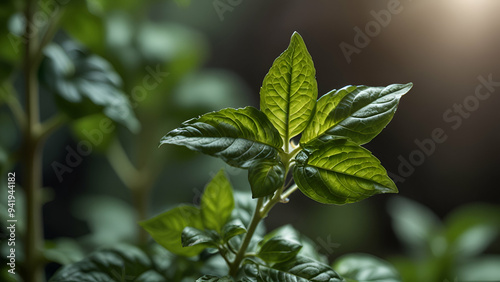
point(358, 113)
point(231, 229)
point(120, 263)
point(166, 229)
point(266, 177)
point(289, 90)
point(85, 84)
point(279, 249)
point(238, 136)
point(192, 236)
point(211, 278)
point(217, 202)
point(340, 172)
point(299, 269)
point(365, 268)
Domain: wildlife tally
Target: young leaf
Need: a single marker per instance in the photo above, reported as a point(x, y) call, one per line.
point(192, 236)
point(299, 269)
point(365, 268)
point(85, 84)
point(217, 202)
point(166, 229)
point(358, 113)
point(340, 172)
point(238, 136)
point(231, 229)
point(289, 90)
point(265, 177)
point(279, 249)
point(120, 263)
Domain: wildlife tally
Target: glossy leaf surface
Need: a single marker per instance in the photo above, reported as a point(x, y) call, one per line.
point(358, 113)
point(289, 90)
point(238, 136)
point(341, 172)
point(265, 177)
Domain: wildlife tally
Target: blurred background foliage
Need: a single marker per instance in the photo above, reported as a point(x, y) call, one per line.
point(168, 61)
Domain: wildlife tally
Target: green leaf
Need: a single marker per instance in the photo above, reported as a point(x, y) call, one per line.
point(166, 229)
point(299, 269)
point(238, 136)
point(484, 268)
point(289, 90)
point(340, 172)
point(217, 202)
point(211, 278)
point(192, 236)
point(413, 223)
point(231, 229)
point(121, 263)
point(285, 231)
point(365, 268)
point(85, 84)
point(63, 251)
point(279, 249)
point(472, 228)
point(358, 113)
point(265, 177)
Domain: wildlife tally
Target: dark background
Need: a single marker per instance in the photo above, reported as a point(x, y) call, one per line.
point(443, 47)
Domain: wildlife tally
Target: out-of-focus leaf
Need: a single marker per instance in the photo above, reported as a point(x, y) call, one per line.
point(207, 90)
point(166, 229)
point(120, 263)
point(485, 268)
point(472, 228)
point(365, 268)
point(82, 22)
point(85, 84)
point(110, 220)
point(97, 129)
point(340, 172)
point(217, 202)
point(413, 223)
point(63, 250)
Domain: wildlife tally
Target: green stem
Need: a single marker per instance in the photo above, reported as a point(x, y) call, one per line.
point(137, 181)
point(33, 157)
point(257, 217)
point(288, 192)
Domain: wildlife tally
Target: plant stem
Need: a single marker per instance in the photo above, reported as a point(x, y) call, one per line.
point(137, 181)
point(288, 192)
point(257, 217)
point(33, 156)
